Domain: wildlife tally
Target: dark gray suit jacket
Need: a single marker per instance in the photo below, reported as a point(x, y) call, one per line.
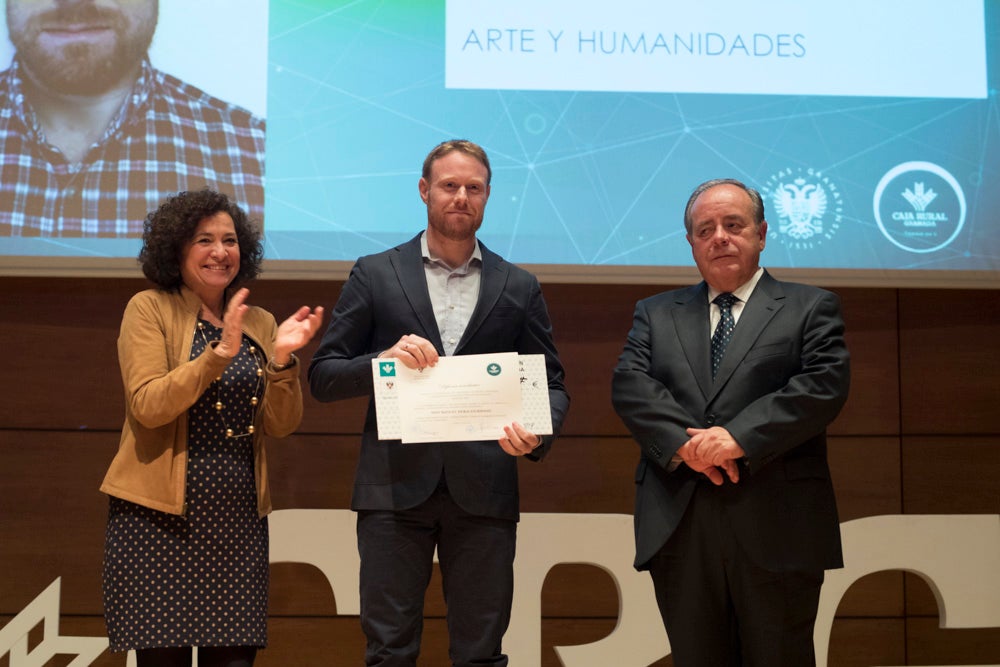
point(784, 378)
point(386, 297)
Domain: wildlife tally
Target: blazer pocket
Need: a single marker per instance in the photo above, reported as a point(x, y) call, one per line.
point(505, 312)
point(640, 470)
point(781, 348)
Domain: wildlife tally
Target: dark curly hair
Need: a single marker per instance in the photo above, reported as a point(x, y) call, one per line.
point(168, 229)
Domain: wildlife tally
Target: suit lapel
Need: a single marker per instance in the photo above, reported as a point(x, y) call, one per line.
point(765, 301)
point(409, 267)
point(691, 323)
point(491, 284)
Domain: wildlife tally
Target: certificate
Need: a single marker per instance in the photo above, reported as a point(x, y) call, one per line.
point(464, 397)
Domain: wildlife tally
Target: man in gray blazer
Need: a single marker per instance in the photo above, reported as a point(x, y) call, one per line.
point(728, 387)
point(441, 293)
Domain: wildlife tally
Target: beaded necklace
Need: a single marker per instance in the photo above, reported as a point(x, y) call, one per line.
point(254, 401)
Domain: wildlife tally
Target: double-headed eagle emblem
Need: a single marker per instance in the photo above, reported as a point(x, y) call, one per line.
point(800, 207)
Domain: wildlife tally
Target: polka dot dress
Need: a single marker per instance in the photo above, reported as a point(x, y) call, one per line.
point(199, 579)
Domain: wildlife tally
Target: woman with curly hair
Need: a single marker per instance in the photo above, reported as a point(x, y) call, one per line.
point(206, 378)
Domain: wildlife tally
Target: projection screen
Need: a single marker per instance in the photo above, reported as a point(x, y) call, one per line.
point(870, 128)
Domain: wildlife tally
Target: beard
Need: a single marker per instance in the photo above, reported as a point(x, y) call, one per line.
point(82, 68)
point(455, 231)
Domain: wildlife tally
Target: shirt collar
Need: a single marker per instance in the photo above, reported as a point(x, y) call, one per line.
point(135, 100)
point(15, 85)
point(742, 292)
point(477, 255)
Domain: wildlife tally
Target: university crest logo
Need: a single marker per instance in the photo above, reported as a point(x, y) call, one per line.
point(805, 207)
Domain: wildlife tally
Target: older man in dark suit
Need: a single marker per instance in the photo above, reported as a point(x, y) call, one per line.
point(728, 387)
point(442, 293)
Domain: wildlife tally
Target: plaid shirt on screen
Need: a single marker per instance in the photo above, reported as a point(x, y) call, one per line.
point(169, 136)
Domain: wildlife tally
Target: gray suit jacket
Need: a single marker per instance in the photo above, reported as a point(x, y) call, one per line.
point(385, 297)
point(784, 378)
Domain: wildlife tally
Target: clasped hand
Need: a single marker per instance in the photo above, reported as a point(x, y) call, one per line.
point(292, 334)
point(712, 451)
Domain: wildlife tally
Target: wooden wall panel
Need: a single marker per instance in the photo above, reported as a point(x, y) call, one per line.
point(593, 475)
point(918, 435)
point(581, 474)
point(312, 471)
point(83, 626)
point(937, 472)
point(591, 322)
point(867, 475)
point(936, 479)
point(867, 481)
point(928, 644)
point(928, 640)
point(950, 361)
point(64, 374)
point(870, 319)
point(863, 642)
point(52, 516)
point(73, 325)
point(877, 595)
point(338, 642)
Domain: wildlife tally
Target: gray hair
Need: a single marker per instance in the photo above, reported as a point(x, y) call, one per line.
point(755, 199)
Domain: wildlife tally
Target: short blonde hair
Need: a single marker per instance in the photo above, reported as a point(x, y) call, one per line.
point(462, 146)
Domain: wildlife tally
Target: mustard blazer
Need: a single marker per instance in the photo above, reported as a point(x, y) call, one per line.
point(161, 383)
